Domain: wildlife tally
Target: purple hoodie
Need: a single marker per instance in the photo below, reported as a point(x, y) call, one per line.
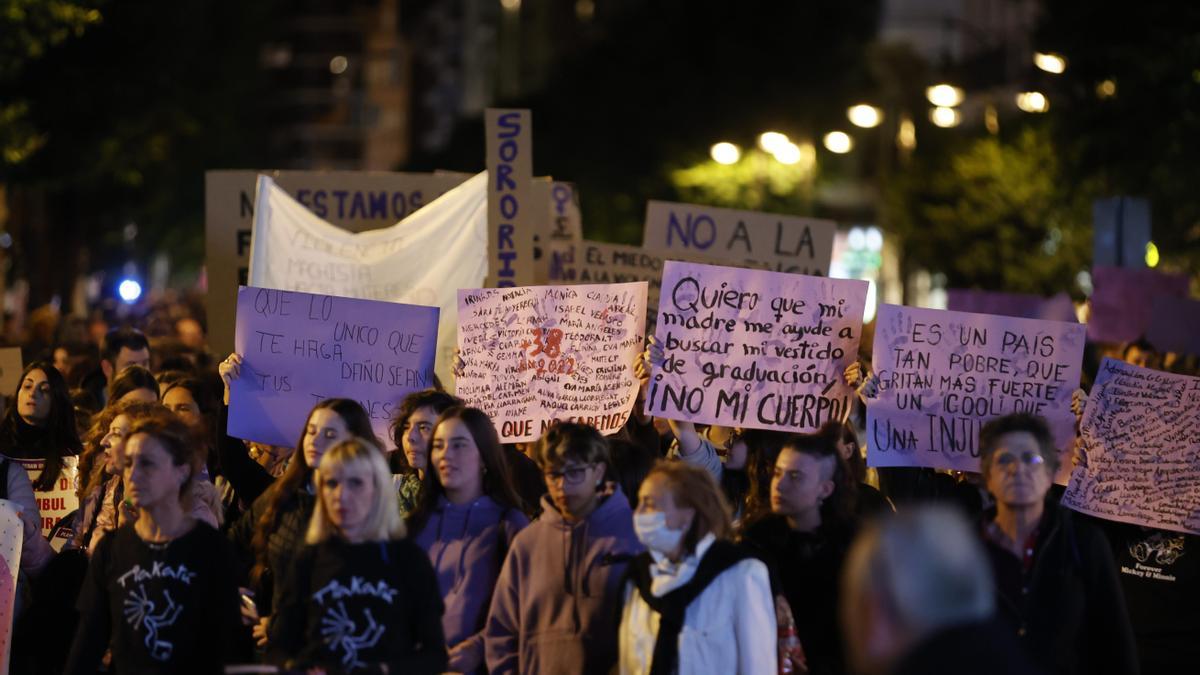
point(467, 546)
point(557, 603)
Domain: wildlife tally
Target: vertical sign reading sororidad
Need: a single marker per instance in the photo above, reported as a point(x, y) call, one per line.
point(510, 220)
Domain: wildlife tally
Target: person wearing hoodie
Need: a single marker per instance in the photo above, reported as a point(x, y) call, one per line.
point(556, 605)
point(465, 521)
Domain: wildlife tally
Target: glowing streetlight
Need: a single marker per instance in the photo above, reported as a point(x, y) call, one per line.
point(906, 135)
point(129, 290)
point(1106, 89)
point(838, 142)
point(865, 116)
point(772, 141)
point(1033, 102)
point(1151, 254)
point(1050, 62)
point(945, 117)
point(511, 5)
point(944, 95)
point(725, 153)
point(788, 154)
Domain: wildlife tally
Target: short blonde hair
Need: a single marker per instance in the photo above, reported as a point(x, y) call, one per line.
point(383, 521)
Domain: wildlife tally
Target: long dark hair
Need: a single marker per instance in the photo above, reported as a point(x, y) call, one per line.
point(61, 438)
point(206, 402)
point(283, 491)
point(131, 378)
point(844, 433)
point(437, 400)
point(497, 477)
point(762, 450)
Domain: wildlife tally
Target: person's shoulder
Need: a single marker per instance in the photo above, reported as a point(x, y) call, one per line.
point(761, 529)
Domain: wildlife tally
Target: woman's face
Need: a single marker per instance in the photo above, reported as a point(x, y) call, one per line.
point(151, 478)
point(325, 429)
point(33, 399)
point(348, 494)
point(181, 402)
point(456, 459)
point(655, 496)
point(415, 436)
point(1018, 475)
point(140, 395)
point(113, 443)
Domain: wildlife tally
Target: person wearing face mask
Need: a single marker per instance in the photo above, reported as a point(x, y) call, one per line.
point(556, 602)
point(271, 532)
point(412, 431)
point(693, 585)
point(803, 539)
point(361, 597)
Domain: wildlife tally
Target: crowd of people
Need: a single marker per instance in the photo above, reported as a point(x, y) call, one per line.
point(665, 548)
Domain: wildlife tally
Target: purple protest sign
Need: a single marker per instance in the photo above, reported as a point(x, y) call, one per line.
point(1022, 305)
point(943, 374)
point(1123, 299)
point(752, 348)
point(300, 348)
point(1175, 325)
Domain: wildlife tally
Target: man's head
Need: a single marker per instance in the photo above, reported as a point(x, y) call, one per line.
point(906, 577)
point(1017, 459)
point(123, 347)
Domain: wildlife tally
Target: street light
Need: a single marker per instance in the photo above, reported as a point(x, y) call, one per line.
point(772, 141)
point(864, 115)
point(838, 142)
point(725, 153)
point(788, 154)
point(1033, 102)
point(945, 117)
point(944, 95)
point(1050, 62)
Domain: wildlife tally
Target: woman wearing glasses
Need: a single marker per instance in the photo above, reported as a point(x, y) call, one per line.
point(1056, 584)
point(465, 521)
point(556, 603)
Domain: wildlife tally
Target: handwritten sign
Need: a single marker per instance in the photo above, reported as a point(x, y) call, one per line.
point(752, 348)
point(10, 369)
point(536, 354)
point(562, 223)
point(943, 374)
point(60, 502)
point(1174, 325)
point(787, 243)
point(300, 348)
point(1021, 305)
point(12, 539)
point(1122, 301)
point(510, 214)
point(1140, 448)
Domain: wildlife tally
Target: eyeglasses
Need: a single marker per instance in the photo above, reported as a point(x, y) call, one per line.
point(570, 476)
point(1008, 460)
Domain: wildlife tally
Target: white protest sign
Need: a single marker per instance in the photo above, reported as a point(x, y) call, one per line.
point(536, 354)
point(12, 538)
point(751, 348)
point(788, 243)
point(355, 201)
point(561, 224)
point(511, 209)
point(942, 375)
point(1140, 452)
point(421, 260)
point(60, 501)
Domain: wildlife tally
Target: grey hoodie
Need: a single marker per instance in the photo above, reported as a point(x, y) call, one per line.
point(556, 608)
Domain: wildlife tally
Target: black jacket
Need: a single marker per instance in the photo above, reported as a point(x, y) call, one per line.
point(1068, 610)
point(284, 542)
point(970, 649)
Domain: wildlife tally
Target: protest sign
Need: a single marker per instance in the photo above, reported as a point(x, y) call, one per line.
point(943, 374)
point(60, 501)
point(1021, 305)
point(1122, 301)
point(561, 224)
point(355, 201)
point(753, 348)
point(536, 354)
point(421, 260)
point(786, 243)
point(11, 367)
point(1140, 436)
point(12, 538)
point(511, 210)
point(1174, 325)
point(300, 348)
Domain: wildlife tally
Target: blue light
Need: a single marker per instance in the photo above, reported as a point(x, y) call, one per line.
point(129, 290)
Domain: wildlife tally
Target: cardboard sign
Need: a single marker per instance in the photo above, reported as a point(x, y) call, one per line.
point(55, 504)
point(1021, 305)
point(11, 368)
point(12, 539)
point(511, 207)
point(1123, 299)
point(751, 348)
point(536, 354)
point(299, 349)
point(562, 223)
point(788, 243)
point(1174, 325)
point(1140, 454)
point(943, 374)
point(355, 201)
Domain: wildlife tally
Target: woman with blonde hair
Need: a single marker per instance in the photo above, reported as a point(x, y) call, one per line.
point(360, 597)
point(693, 584)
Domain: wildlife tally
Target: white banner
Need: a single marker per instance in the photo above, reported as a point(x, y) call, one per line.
point(422, 260)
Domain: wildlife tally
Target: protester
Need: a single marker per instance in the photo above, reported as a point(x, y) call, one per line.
point(360, 596)
point(466, 520)
point(804, 539)
point(160, 591)
point(556, 602)
point(693, 584)
point(1056, 586)
point(39, 424)
point(133, 383)
point(247, 479)
point(916, 599)
point(868, 500)
point(412, 430)
point(121, 348)
point(270, 534)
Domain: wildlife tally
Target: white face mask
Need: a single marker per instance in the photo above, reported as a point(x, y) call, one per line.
point(654, 534)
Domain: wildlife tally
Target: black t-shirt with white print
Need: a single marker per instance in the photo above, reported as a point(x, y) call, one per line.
point(163, 608)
